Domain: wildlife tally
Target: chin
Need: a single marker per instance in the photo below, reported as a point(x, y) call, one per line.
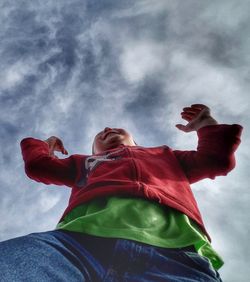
point(114, 145)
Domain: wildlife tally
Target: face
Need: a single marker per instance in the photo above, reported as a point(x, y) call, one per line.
point(111, 138)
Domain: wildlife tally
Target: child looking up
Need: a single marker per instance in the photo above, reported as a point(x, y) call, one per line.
point(132, 215)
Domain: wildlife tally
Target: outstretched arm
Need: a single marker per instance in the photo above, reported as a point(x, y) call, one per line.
point(42, 165)
point(216, 145)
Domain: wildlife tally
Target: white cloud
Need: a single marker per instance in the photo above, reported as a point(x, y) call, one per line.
point(47, 201)
point(14, 74)
point(125, 53)
point(140, 59)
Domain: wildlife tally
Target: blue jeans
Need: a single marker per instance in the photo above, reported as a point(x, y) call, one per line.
point(71, 257)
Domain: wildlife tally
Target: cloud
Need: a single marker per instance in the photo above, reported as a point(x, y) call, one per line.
point(70, 69)
point(141, 59)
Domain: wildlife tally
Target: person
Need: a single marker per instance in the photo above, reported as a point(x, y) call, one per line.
point(132, 215)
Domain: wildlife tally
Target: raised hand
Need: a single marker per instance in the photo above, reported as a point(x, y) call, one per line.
point(197, 116)
point(55, 144)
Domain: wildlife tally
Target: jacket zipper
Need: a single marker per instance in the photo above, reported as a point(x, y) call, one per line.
point(135, 170)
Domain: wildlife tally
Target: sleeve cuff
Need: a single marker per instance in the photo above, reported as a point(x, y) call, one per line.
point(235, 129)
point(32, 141)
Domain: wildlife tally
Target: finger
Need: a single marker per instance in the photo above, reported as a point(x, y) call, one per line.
point(188, 119)
point(188, 116)
point(56, 144)
point(59, 142)
point(204, 113)
point(181, 127)
point(51, 149)
point(190, 110)
point(59, 146)
point(61, 150)
point(64, 151)
point(199, 106)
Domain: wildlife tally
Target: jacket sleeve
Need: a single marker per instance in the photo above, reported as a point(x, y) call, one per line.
point(40, 167)
point(215, 152)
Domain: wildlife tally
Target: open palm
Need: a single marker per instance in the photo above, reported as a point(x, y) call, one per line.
point(198, 115)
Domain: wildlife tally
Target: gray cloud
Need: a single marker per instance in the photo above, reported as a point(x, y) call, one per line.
point(70, 69)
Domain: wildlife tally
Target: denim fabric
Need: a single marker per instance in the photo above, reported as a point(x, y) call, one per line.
point(69, 256)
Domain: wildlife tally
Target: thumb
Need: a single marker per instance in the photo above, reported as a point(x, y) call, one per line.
point(181, 127)
point(51, 149)
point(64, 151)
point(60, 147)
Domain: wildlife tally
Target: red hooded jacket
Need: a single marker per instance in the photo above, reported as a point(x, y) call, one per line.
point(158, 173)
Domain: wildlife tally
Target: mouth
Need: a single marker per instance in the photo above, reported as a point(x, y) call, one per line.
point(109, 132)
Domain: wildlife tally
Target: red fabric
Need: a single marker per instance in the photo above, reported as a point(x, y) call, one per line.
point(157, 173)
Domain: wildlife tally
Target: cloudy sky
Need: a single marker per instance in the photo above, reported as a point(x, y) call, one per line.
point(71, 68)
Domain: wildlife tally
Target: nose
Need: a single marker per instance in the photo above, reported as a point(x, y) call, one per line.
point(107, 129)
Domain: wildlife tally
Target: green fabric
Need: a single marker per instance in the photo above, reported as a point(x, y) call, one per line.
point(140, 220)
